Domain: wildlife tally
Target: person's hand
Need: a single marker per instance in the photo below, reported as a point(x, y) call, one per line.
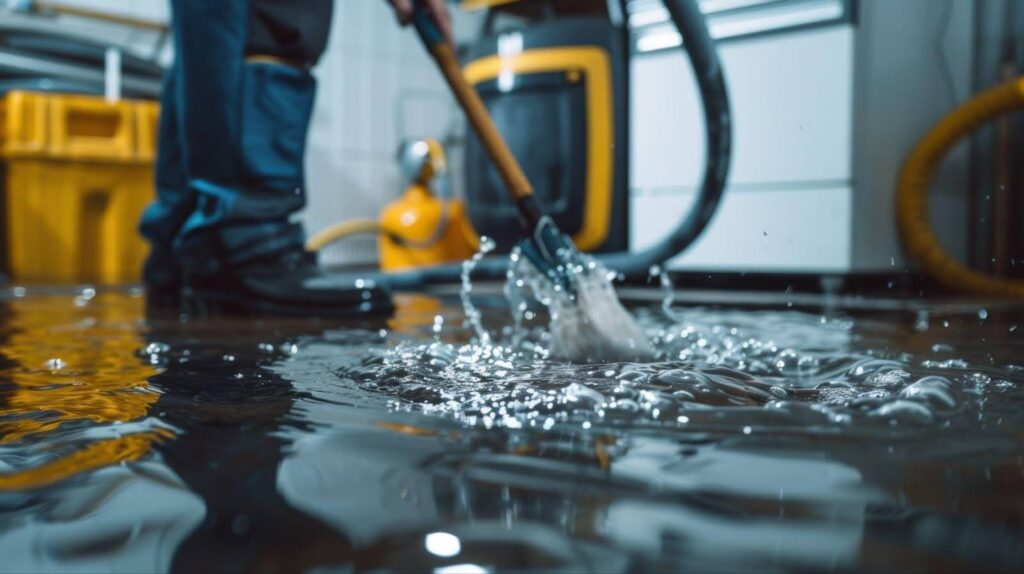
point(438, 11)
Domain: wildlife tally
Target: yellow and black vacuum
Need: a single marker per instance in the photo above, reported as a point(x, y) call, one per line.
point(555, 84)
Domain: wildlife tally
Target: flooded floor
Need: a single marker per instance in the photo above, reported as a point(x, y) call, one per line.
point(766, 440)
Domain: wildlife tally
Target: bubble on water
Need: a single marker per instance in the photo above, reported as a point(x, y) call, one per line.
point(979, 379)
point(921, 323)
point(156, 348)
point(19, 291)
point(982, 314)
point(947, 364)
point(584, 395)
point(904, 411)
point(836, 392)
point(55, 364)
point(888, 378)
point(935, 391)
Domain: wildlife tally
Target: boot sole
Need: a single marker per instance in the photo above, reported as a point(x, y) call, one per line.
point(199, 303)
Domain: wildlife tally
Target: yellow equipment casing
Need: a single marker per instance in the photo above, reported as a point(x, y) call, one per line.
point(558, 92)
point(78, 173)
point(421, 229)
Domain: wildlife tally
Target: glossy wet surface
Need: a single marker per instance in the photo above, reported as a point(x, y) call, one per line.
point(759, 440)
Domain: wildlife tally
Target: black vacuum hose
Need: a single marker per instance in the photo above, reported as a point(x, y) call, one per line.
point(718, 139)
point(707, 68)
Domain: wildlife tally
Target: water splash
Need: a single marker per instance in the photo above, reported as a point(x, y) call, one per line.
point(715, 370)
point(668, 289)
point(466, 294)
point(587, 325)
point(664, 367)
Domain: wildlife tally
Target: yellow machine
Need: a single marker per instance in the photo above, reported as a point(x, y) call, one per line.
point(77, 175)
point(424, 227)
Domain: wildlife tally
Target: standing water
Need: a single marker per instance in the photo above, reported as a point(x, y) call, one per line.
point(751, 439)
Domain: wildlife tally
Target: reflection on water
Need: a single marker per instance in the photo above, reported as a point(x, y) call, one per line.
point(76, 397)
point(756, 440)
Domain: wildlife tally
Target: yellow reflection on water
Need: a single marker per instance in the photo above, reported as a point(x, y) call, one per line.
point(71, 374)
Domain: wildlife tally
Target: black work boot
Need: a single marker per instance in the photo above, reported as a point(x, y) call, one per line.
point(288, 284)
point(162, 279)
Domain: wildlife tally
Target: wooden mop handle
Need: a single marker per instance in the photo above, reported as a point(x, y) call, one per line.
point(506, 163)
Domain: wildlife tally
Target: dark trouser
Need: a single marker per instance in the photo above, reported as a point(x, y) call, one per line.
point(233, 134)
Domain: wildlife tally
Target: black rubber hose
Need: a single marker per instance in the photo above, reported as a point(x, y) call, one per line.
point(707, 68)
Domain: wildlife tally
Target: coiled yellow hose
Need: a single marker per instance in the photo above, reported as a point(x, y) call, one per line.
point(911, 195)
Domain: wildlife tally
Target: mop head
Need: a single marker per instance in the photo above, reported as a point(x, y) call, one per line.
point(588, 322)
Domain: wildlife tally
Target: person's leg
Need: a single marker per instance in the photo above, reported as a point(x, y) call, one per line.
point(175, 201)
point(210, 40)
point(245, 101)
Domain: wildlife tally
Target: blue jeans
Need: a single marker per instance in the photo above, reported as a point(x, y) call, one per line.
point(229, 170)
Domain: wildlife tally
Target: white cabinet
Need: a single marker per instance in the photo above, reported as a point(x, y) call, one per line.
point(823, 118)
